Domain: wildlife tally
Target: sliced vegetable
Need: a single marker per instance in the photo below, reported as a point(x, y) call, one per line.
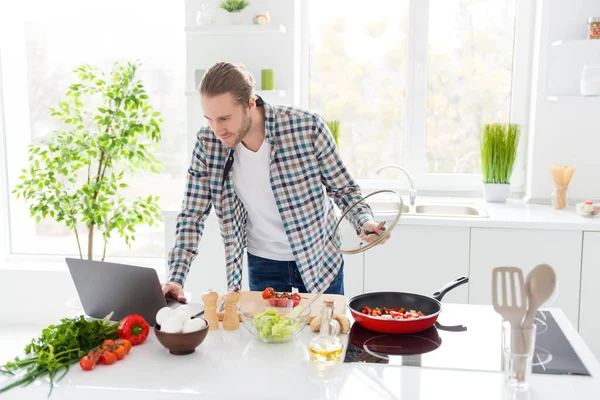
point(134, 328)
point(273, 326)
point(395, 313)
point(280, 299)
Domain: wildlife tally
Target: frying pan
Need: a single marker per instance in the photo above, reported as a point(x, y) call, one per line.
point(431, 307)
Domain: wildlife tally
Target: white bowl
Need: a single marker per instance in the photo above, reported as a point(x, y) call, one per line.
point(587, 210)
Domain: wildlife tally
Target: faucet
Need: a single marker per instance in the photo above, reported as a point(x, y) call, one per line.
point(412, 192)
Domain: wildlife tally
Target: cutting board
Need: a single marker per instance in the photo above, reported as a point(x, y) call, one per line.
point(252, 303)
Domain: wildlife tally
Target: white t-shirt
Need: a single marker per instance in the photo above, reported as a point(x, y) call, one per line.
point(251, 181)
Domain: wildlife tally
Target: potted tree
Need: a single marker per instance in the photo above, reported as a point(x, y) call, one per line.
point(76, 175)
point(499, 144)
point(234, 8)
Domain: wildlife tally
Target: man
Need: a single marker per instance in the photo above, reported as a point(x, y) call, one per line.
point(268, 171)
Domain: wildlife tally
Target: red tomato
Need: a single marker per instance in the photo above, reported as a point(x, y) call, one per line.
point(109, 357)
point(108, 345)
point(268, 293)
point(296, 299)
point(120, 352)
point(86, 363)
point(125, 343)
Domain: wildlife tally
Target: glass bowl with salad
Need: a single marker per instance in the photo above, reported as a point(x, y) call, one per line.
point(275, 324)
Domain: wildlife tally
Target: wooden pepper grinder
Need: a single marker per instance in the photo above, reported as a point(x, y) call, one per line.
point(231, 319)
point(210, 309)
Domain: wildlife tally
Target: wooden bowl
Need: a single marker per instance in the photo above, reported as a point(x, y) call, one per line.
point(181, 343)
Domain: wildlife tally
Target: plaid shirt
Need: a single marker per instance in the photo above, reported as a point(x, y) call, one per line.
point(305, 166)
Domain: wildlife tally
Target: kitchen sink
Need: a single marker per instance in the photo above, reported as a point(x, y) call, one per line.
point(429, 209)
point(450, 210)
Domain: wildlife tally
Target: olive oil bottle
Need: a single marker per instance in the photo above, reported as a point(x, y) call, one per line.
point(326, 348)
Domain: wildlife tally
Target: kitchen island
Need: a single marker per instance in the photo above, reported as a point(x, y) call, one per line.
point(231, 365)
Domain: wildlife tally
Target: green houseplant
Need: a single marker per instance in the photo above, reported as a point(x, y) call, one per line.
point(234, 8)
point(75, 176)
point(334, 127)
point(499, 145)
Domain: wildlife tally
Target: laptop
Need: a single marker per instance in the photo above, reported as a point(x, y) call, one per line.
point(105, 287)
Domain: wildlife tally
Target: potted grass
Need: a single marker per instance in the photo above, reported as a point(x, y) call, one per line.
point(499, 144)
point(234, 8)
point(334, 127)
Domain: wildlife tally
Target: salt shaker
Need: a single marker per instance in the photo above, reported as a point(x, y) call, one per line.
point(231, 320)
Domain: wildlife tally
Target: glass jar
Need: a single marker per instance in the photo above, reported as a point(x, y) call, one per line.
point(594, 28)
point(204, 16)
point(326, 349)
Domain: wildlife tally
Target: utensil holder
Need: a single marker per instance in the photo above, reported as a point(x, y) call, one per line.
point(559, 197)
point(517, 354)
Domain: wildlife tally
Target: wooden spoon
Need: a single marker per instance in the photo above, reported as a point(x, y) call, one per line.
point(540, 285)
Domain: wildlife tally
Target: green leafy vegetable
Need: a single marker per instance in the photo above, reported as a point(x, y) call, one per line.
point(273, 326)
point(57, 348)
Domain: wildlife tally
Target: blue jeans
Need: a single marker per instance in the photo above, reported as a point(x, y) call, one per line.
point(282, 276)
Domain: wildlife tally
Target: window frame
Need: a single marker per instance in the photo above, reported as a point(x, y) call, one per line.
point(14, 117)
point(416, 94)
point(5, 240)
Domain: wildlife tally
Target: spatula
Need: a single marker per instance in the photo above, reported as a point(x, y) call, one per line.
point(511, 307)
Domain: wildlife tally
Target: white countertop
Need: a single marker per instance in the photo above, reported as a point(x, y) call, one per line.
point(230, 365)
point(515, 214)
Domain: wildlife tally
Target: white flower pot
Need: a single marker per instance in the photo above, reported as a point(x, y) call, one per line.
point(235, 18)
point(496, 192)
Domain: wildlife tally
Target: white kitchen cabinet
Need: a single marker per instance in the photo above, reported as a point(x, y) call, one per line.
point(420, 259)
point(525, 248)
point(353, 266)
point(589, 324)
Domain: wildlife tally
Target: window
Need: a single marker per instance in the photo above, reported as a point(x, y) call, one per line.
point(412, 82)
point(41, 44)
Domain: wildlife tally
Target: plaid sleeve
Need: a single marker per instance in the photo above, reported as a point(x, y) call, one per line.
point(195, 208)
point(336, 178)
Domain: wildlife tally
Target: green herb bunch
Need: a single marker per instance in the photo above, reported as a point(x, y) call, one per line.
point(58, 347)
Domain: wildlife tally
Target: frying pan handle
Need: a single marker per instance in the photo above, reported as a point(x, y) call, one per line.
point(457, 282)
point(450, 328)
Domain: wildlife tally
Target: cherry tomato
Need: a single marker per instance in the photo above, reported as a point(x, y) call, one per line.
point(125, 343)
point(109, 345)
point(296, 297)
point(268, 293)
point(120, 352)
point(109, 357)
point(86, 363)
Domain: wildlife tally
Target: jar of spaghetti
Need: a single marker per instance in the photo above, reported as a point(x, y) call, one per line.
point(594, 28)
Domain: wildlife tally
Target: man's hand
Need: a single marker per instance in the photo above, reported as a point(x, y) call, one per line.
point(372, 230)
point(174, 290)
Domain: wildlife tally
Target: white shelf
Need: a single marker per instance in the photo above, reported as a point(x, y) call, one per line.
point(573, 97)
point(236, 30)
point(577, 42)
point(262, 93)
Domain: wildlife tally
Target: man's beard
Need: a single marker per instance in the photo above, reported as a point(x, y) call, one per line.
point(243, 131)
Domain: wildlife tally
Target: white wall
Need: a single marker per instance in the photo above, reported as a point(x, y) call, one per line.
point(564, 127)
